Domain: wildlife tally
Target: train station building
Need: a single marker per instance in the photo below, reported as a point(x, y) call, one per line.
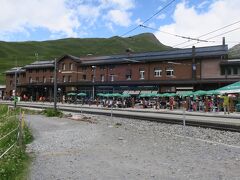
point(164, 71)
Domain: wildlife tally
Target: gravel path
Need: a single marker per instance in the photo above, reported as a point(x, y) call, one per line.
point(129, 149)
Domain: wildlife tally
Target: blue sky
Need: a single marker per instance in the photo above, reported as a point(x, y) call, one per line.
point(38, 20)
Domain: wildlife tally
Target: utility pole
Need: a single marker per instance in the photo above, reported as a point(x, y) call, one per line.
point(15, 85)
point(93, 90)
point(55, 84)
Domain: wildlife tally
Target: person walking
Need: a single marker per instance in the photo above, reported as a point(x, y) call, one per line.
point(225, 103)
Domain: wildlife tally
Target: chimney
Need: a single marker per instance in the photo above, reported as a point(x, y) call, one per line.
point(193, 63)
point(223, 41)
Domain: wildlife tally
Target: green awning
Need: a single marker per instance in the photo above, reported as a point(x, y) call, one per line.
point(71, 94)
point(81, 94)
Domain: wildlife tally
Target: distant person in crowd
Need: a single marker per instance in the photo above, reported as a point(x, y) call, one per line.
point(226, 103)
point(63, 99)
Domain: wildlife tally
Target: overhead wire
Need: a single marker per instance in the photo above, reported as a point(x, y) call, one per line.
point(168, 4)
point(209, 33)
point(176, 35)
point(216, 36)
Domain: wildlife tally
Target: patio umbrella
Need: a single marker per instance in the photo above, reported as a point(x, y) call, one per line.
point(81, 94)
point(231, 88)
point(199, 93)
point(100, 94)
point(125, 95)
point(71, 94)
point(213, 92)
point(185, 94)
point(116, 95)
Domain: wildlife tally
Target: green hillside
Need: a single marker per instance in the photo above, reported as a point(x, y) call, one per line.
point(234, 52)
point(22, 53)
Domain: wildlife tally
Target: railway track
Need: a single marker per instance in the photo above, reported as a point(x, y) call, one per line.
point(220, 123)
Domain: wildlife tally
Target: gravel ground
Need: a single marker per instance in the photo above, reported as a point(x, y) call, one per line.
point(122, 148)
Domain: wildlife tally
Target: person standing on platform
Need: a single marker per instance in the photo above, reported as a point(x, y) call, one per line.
point(225, 103)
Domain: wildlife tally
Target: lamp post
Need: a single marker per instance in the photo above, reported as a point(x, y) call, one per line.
point(93, 80)
point(55, 85)
point(15, 89)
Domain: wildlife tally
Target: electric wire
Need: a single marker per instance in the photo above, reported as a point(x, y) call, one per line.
point(169, 3)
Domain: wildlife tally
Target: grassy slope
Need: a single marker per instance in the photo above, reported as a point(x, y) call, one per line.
point(24, 52)
point(234, 52)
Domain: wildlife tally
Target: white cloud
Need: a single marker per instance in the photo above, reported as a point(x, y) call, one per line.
point(138, 21)
point(188, 22)
point(118, 4)
point(161, 16)
point(203, 4)
point(118, 17)
point(62, 18)
point(18, 16)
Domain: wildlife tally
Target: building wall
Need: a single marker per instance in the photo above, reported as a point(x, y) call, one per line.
point(37, 75)
point(211, 68)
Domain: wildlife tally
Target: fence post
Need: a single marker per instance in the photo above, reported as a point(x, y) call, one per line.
point(20, 137)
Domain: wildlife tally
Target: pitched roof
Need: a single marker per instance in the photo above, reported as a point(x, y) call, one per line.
point(15, 69)
point(40, 64)
point(177, 54)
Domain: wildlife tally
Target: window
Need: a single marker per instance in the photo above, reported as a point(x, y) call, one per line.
point(30, 80)
point(102, 67)
point(229, 71)
point(11, 83)
point(44, 79)
point(11, 75)
point(44, 70)
point(84, 68)
point(111, 77)
point(169, 72)
point(64, 79)
point(37, 79)
point(51, 79)
point(17, 81)
point(222, 71)
point(71, 66)
point(157, 72)
point(235, 70)
point(128, 76)
point(30, 70)
point(63, 66)
point(111, 67)
point(37, 70)
point(141, 73)
point(84, 77)
point(102, 77)
point(69, 78)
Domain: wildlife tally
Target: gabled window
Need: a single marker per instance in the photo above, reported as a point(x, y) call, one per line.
point(157, 72)
point(141, 73)
point(169, 72)
point(111, 77)
point(44, 79)
point(64, 79)
point(51, 79)
point(71, 66)
point(102, 77)
point(63, 66)
point(69, 78)
point(30, 80)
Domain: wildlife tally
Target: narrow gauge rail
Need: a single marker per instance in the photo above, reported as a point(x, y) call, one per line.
point(161, 117)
